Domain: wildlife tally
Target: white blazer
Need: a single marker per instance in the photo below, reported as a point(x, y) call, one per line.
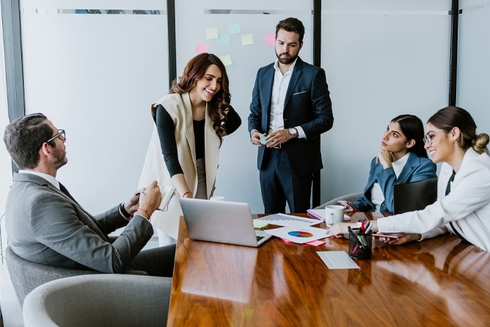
point(467, 206)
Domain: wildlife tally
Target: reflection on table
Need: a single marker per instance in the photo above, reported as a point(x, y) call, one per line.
point(437, 282)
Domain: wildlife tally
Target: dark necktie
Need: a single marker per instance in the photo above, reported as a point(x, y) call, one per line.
point(448, 190)
point(65, 191)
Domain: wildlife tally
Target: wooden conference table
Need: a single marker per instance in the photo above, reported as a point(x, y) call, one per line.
point(437, 282)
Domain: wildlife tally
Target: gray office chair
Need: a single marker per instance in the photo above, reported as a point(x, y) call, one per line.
point(99, 300)
point(348, 197)
point(27, 275)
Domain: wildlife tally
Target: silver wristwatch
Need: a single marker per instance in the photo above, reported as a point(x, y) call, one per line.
point(293, 132)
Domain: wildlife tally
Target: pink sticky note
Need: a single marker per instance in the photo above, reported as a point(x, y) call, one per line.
point(316, 243)
point(202, 47)
point(270, 39)
point(286, 241)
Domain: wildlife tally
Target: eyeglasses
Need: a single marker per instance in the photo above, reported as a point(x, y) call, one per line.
point(61, 134)
point(429, 137)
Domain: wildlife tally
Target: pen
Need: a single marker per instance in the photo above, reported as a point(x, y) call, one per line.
point(368, 229)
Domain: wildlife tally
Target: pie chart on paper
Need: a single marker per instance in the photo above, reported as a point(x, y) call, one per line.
point(301, 234)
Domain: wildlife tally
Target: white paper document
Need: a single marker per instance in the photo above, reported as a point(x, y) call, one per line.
point(337, 260)
point(281, 219)
point(298, 234)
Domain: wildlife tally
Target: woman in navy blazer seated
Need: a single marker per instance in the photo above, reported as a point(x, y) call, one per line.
point(402, 159)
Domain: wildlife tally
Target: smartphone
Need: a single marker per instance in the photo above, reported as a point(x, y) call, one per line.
point(348, 206)
point(385, 235)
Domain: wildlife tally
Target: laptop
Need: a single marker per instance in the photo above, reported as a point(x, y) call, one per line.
point(221, 222)
point(414, 196)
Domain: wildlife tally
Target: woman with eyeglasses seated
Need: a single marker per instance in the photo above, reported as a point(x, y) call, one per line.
point(463, 205)
point(402, 159)
point(191, 122)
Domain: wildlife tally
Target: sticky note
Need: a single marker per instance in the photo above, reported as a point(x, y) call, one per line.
point(316, 243)
point(247, 39)
point(263, 139)
point(270, 39)
point(234, 28)
point(259, 224)
point(224, 40)
point(202, 47)
point(211, 33)
point(226, 60)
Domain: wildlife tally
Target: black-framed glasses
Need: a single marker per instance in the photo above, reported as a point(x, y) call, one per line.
point(61, 134)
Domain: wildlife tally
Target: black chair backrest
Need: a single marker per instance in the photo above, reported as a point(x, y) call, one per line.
point(414, 196)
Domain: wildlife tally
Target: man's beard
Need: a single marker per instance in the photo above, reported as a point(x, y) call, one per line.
point(286, 61)
point(61, 159)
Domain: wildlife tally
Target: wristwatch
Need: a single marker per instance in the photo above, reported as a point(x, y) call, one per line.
point(293, 132)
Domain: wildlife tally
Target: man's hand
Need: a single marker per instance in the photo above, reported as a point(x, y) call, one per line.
point(278, 137)
point(255, 137)
point(149, 200)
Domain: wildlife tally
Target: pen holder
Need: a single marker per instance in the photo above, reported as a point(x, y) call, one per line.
point(360, 244)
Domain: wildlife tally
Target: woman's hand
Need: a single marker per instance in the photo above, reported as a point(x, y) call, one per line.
point(339, 229)
point(402, 238)
point(385, 158)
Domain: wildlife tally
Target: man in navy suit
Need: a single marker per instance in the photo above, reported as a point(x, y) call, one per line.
point(290, 109)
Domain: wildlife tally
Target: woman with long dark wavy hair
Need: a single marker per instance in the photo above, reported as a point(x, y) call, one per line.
point(191, 122)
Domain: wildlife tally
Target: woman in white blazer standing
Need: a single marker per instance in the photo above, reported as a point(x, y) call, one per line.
point(190, 122)
point(463, 205)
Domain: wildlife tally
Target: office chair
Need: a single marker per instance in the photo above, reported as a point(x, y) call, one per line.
point(27, 275)
point(99, 300)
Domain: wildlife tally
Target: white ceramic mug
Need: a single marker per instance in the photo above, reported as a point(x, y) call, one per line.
point(334, 214)
point(217, 198)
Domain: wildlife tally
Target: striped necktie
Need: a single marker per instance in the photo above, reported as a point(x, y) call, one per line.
point(448, 190)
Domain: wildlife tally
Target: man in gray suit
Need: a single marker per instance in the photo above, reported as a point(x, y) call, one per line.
point(46, 225)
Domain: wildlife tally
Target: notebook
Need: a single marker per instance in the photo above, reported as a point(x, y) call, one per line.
point(414, 196)
point(222, 222)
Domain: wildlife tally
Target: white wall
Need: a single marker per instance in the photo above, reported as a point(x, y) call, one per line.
point(474, 65)
point(383, 58)
point(95, 75)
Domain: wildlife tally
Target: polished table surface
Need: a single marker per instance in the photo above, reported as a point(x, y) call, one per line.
point(437, 282)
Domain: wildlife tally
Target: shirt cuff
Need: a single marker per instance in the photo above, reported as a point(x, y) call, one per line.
point(301, 132)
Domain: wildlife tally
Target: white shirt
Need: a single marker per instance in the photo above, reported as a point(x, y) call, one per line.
point(279, 90)
point(47, 177)
point(377, 196)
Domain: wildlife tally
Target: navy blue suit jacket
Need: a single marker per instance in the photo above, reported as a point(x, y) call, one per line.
point(416, 169)
point(307, 104)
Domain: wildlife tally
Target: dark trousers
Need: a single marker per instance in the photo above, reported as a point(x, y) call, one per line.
point(279, 184)
point(156, 262)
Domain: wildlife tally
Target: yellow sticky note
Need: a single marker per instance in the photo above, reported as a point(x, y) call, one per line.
point(247, 39)
point(226, 60)
point(211, 33)
point(259, 223)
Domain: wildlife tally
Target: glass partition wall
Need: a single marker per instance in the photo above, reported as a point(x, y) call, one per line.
point(95, 67)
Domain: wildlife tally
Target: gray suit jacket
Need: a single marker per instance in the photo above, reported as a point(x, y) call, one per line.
point(46, 226)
